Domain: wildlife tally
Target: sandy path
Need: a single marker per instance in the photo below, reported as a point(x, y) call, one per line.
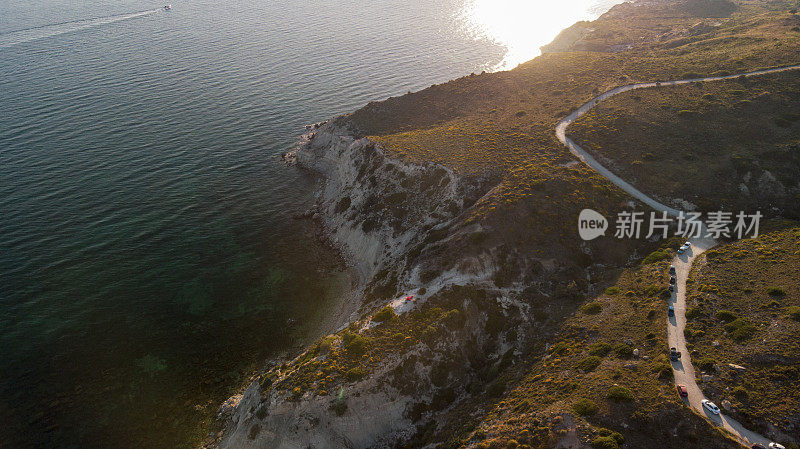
point(683, 369)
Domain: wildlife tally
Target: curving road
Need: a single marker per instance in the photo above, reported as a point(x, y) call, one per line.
point(583, 155)
point(683, 370)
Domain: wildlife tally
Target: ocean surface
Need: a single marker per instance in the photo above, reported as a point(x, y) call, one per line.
point(148, 255)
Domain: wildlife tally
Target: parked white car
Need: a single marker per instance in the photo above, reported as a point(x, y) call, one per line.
point(710, 406)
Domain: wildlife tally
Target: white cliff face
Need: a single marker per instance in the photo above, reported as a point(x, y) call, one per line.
point(278, 423)
point(384, 215)
point(374, 207)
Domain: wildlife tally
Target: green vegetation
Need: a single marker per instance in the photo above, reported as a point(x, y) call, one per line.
point(608, 439)
point(325, 344)
point(385, 314)
point(576, 376)
point(740, 393)
point(592, 308)
point(753, 324)
point(585, 407)
point(740, 329)
point(656, 256)
point(355, 344)
point(331, 366)
point(605, 443)
point(619, 394)
point(731, 145)
point(706, 364)
point(589, 363)
point(776, 291)
point(599, 349)
point(474, 124)
point(560, 348)
point(725, 315)
point(524, 192)
point(692, 313)
point(623, 351)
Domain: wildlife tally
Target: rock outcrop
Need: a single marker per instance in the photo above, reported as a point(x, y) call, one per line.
point(372, 207)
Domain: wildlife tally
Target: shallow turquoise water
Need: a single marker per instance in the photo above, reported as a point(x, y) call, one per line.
point(148, 258)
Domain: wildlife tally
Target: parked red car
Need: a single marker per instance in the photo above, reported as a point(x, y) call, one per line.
point(682, 392)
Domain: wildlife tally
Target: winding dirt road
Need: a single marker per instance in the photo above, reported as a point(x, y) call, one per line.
point(683, 369)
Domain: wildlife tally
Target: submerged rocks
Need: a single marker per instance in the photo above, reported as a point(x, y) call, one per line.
point(289, 158)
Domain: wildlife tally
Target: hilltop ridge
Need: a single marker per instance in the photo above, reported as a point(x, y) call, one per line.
point(483, 320)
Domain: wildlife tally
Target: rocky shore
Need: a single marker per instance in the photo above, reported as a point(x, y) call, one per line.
point(375, 210)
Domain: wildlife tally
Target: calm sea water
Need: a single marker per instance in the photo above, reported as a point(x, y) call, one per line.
point(148, 255)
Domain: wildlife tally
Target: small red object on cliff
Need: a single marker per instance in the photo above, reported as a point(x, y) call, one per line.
point(410, 298)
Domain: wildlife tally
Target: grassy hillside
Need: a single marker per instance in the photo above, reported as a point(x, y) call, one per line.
point(726, 144)
point(448, 357)
point(471, 361)
point(744, 309)
point(499, 126)
point(605, 379)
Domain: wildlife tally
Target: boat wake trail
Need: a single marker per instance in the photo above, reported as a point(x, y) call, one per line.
point(41, 32)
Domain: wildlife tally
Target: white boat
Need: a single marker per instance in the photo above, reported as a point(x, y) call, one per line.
point(167, 7)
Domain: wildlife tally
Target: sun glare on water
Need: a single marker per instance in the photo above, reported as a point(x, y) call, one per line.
point(522, 26)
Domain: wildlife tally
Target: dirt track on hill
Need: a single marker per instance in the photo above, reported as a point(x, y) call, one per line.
point(683, 369)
